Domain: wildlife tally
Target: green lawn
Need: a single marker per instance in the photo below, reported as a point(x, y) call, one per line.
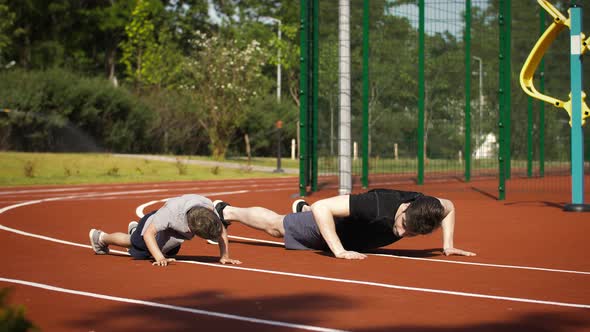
point(20, 168)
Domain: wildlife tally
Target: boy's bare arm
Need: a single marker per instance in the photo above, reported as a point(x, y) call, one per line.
point(324, 212)
point(150, 240)
point(224, 249)
point(448, 227)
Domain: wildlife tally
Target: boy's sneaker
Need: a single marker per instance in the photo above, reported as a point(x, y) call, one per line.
point(132, 227)
point(219, 205)
point(298, 205)
point(98, 247)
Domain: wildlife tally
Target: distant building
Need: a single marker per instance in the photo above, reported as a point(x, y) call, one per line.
point(488, 148)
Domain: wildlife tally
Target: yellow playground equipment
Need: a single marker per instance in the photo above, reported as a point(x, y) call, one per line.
point(560, 22)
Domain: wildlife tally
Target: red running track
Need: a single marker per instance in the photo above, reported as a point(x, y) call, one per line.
point(531, 273)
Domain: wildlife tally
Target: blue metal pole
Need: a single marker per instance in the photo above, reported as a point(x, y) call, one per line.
point(577, 135)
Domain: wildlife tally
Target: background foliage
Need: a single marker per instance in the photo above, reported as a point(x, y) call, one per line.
point(153, 75)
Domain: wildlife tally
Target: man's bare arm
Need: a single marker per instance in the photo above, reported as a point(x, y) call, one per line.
point(224, 249)
point(324, 212)
point(448, 227)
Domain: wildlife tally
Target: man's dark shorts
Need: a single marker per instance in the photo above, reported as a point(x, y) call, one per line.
point(138, 248)
point(302, 232)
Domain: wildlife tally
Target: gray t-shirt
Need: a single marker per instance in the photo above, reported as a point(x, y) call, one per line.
point(171, 223)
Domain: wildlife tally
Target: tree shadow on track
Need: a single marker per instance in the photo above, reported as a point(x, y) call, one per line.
point(302, 308)
point(573, 320)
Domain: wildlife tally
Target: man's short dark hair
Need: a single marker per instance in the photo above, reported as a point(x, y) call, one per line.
point(204, 222)
point(424, 215)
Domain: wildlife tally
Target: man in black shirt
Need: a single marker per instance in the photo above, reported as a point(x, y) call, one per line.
point(349, 224)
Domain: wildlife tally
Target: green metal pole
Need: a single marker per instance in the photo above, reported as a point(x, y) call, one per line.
point(502, 103)
point(542, 25)
point(303, 97)
point(508, 86)
point(467, 151)
point(529, 164)
point(365, 175)
point(314, 96)
point(421, 93)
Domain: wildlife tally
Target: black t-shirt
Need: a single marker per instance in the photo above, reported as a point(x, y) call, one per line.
point(371, 219)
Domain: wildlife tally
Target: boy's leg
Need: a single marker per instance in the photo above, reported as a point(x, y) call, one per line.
point(257, 217)
point(118, 239)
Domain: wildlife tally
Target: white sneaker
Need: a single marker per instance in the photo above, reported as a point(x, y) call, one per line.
point(131, 227)
point(99, 249)
point(298, 205)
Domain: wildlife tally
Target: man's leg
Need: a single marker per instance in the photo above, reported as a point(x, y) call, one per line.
point(257, 217)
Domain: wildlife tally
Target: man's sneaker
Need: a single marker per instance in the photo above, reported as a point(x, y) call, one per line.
point(132, 227)
point(298, 205)
point(219, 205)
point(99, 248)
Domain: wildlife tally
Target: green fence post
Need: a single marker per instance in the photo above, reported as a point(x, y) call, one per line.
point(315, 92)
point(502, 102)
point(508, 85)
point(467, 90)
point(303, 96)
point(421, 93)
point(542, 103)
point(365, 168)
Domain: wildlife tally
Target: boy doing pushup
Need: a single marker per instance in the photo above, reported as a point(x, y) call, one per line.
point(160, 234)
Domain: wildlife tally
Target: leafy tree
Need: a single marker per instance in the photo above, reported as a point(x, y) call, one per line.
point(224, 78)
point(5, 25)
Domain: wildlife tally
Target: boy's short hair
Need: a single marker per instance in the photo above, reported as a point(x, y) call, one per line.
point(204, 223)
point(424, 215)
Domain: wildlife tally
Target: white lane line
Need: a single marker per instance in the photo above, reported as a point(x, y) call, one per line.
point(28, 191)
point(428, 290)
point(10, 207)
point(139, 212)
point(434, 260)
point(170, 307)
point(347, 281)
point(486, 264)
point(46, 238)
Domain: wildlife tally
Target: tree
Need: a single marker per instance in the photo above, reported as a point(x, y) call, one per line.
point(5, 25)
point(224, 78)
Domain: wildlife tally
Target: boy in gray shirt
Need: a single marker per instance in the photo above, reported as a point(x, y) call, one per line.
point(160, 234)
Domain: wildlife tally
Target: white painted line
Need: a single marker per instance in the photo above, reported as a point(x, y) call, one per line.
point(391, 286)
point(28, 191)
point(347, 281)
point(437, 260)
point(46, 238)
point(486, 264)
point(10, 207)
point(139, 209)
point(359, 282)
point(170, 307)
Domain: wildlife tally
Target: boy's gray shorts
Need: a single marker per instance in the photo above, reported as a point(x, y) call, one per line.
point(302, 232)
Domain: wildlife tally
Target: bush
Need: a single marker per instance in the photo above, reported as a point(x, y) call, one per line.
point(12, 318)
point(57, 110)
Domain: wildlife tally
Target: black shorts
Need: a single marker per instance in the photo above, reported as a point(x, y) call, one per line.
point(138, 248)
point(302, 232)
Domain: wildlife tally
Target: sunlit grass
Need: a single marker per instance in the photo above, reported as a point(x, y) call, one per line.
point(18, 168)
